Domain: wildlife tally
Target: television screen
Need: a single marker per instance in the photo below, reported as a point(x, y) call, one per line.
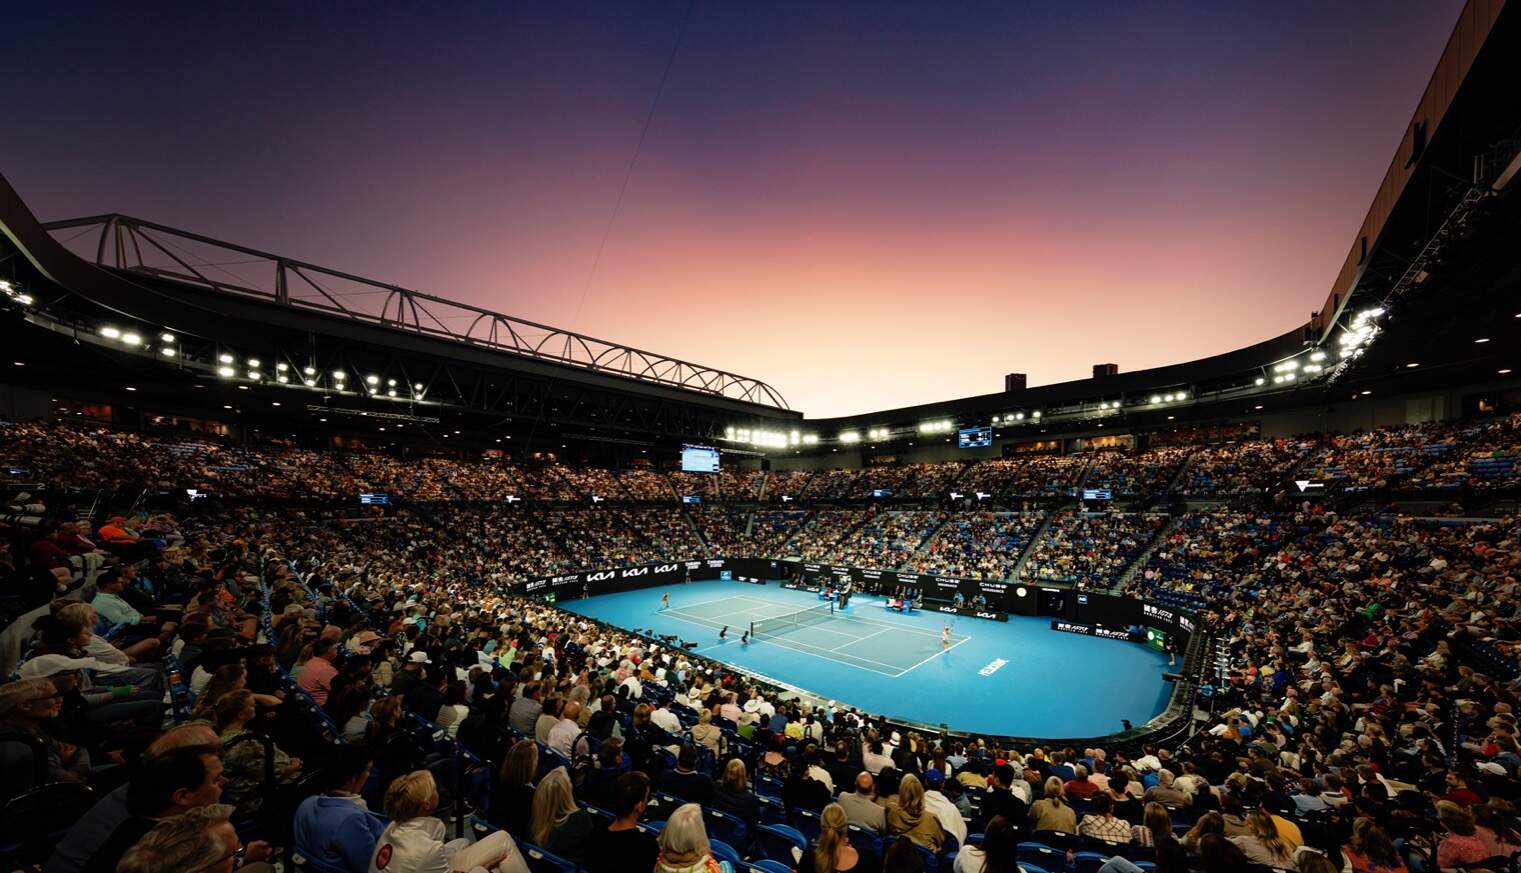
point(974, 437)
point(691, 498)
point(1097, 494)
point(368, 499)
point(881, 492)
point(699, 459)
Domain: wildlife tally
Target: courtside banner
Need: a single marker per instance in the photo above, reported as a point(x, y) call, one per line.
point(1088, 630)
point(592, 582)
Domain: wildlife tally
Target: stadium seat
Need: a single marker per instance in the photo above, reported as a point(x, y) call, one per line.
point(778, 842)
point(726, 827)
point(806, 821)
point(722, 851)
point(541, 861)
point(766, 865)
point(1088, 862)
point(1042, 857)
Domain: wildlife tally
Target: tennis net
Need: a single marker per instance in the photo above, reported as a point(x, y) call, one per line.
point(783, 623)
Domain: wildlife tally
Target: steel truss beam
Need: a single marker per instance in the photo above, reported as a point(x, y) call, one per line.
point(142, 247)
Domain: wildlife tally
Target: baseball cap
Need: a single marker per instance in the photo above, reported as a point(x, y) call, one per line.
point(418, 656)
point(934, 778)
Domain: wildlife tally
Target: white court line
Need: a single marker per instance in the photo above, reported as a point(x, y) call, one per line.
point(858, 639)
point(805, 648)
point(704, 602)
point(933, 657)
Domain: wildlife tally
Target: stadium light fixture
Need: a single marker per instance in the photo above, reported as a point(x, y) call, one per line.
point(391, 392)
point(1317, 356)
point(309, 371)
point(166, 337)
point(254, 375)
point(1504, 372)
point(390, 383)
point(110, 332)
point(166, 351)
point(310, 383)
point(1412, 365)
point(417, 386)
point(1019, 416)
point(850, 436)
point(225, 372)
point(810, 439)
point(282, 379)
point(1261, 380)
point(131, 339)
point(338, 374)
point(372, 379)
point(254, 363)
point(1182, 395)
point(225, 358)
point(1482, 339)
point(1036, 413)
point(1156, 398)
point(1288, 377)
point(282, 366)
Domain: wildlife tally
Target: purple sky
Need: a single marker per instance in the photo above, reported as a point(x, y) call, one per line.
point(867, 206)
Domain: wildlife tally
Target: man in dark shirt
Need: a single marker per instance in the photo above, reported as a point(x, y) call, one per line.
point(685, 782)
point(999, 800)
point(621, 845)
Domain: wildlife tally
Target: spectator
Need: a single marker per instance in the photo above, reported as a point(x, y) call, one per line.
point(941, 806)
point(860, 808)
point(336, 829)
point(316, 677)
point(733, 795)
point(997, 853)
point(1101, 824)
point(684, 781)
point(1051, 812)
point(833, 852)
point(202, 839)
point(909, 818)
point(1460, 845)
point(244, 754)
point(556, 823)
point(414, 840)
point(1262, 843)
point(175, 783)
point(621, 845)
point(684, 846)
point(512, 796)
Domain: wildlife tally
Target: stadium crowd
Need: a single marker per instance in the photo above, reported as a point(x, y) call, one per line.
point(194, 691)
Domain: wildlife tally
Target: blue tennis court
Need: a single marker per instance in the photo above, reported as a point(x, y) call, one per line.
point(1018, 677)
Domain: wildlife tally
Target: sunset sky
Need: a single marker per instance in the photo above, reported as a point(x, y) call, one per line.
point(866, 205)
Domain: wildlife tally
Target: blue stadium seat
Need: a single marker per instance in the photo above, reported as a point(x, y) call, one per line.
point(541, 861)
point(1042, 857)
point(722, 851)
point(806, 821)
point(766, 865)
point(777, 842)
point(726, 827)
point(1088, 862)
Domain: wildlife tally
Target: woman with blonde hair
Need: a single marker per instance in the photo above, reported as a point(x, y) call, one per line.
point(556, 823)
point(733, 795)
point(684, 846)
point(1262, 843)
point(414, 840)
point(908, 817)
point(833, 852)
point(1370, 849)
point(1051, 812)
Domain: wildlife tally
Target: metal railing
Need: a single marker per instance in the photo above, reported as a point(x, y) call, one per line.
point(141, 247)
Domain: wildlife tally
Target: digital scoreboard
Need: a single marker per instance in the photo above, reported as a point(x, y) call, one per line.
point(974, 437)
point(699, 459)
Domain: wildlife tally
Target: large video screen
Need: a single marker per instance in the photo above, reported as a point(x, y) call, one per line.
point(699, 459)
point(974, 437)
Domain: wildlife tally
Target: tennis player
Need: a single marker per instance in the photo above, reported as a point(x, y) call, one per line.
point(945, 638)
point(665, 600)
